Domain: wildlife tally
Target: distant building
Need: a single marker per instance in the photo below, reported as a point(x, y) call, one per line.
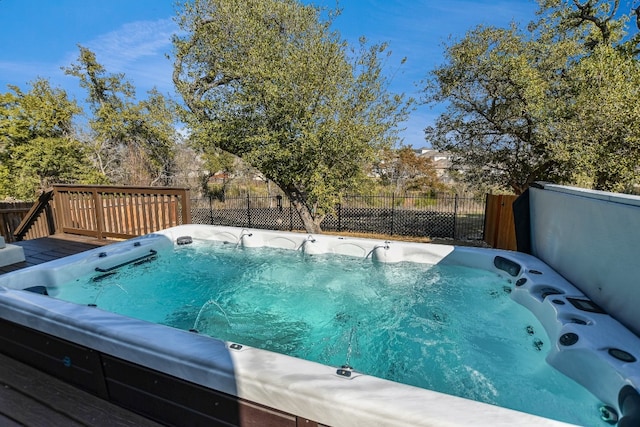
point(441, 162)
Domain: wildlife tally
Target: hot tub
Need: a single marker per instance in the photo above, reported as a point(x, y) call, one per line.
point(184, 378)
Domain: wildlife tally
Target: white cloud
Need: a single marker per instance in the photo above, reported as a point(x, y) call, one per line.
point(134, 41)
point(138, 50)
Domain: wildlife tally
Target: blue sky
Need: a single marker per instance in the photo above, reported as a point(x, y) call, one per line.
point(38, 37)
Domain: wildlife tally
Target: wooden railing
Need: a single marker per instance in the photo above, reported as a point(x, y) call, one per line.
point(99, 211)
point(119, 212)
point(39, 221)
point(11, 215)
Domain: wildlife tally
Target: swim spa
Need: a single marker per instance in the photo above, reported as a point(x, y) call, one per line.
point(127, 359)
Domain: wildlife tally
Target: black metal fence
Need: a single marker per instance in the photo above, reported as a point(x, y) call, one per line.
point(438, 215)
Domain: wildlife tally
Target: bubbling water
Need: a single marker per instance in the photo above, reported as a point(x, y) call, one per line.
point(451, 329)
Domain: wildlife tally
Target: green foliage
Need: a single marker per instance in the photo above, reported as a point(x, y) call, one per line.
point(496, 83)
point(604, 128)
point(6, 184)
point(268, 81)
point(217, 161)
point(596, 128)
point(152, 135)
point(554, 102)
point(405, 171)
point(593, 22)
point(53, 160)
point(37, 145)
point(132, 142)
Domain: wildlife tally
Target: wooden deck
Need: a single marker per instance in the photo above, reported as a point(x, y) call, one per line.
point(45, 249)
point(29, 397)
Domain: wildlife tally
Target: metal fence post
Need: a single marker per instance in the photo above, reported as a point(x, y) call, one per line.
point(486, 209)
point(339, 216)
point(290, 216)
point(248, 211)
point(393, 207)
point(211, 208)
point(455, 215)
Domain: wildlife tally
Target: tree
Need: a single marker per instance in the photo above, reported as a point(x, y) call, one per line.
point(38, 147)
point(152, 140)
point(268, 81)
point(217, 161)
point(597, 22)
point(407, 171)
point(522, 105)
point(496, 84)
point(601, 124)
point(603, 130)
point(132, 141)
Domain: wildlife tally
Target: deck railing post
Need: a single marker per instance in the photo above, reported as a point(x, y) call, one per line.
point(99, 217)
point(186, 206)
point(51, 223)
point(57, 207)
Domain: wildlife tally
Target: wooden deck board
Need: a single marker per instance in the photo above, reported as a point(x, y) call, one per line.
point(29, 397)
point(38, 251)
point(27, 411)
point(7, 422)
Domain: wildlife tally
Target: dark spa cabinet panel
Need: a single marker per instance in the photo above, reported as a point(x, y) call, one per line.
point(178, 402)
point(169, 400)
point(74, 364)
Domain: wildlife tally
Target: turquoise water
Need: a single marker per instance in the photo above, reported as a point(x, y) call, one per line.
point(446, 328)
